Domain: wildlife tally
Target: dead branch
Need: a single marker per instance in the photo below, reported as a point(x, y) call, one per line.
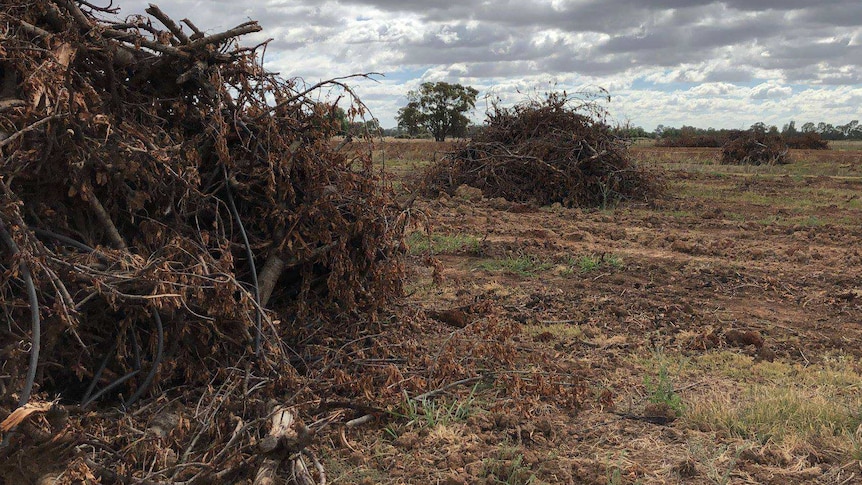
point(77, 14)
point(175, 29)
point(287, 438)
point(268, 277)
point(157, 360)
point(133, 38)
point(29, 128)
point(32, 29)
point(197, 32)
point(103, 217)
point(237, 31)
point(11, 103)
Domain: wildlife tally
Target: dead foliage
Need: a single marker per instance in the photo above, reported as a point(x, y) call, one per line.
point(546, 151)
point(810, 140)
point(755, 147)
point(688, 139)
point(177, 227)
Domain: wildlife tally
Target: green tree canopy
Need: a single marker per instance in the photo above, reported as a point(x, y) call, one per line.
point(410, 119)
point(439, 108)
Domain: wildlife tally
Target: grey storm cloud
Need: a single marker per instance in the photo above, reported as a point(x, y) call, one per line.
point(634, 34)
point(797, 42)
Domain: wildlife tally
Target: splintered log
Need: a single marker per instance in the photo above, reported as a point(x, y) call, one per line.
point(286, 440)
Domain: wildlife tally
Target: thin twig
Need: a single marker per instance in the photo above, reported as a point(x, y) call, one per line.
point(441, 390)
point(17, 134)
point(64, 239)
point(335, 81)
point(98, 374)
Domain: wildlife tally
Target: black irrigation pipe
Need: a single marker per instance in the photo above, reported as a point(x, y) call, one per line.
point(250, 255)
point(109, 387)
point(156, 361)
point(64, 239)
point(34, 313)
point(98, 374)
point(89, 396)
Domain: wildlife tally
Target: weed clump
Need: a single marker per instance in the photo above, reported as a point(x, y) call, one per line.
point(546, 151)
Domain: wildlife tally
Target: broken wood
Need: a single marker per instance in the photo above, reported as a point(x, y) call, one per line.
point(286, 439)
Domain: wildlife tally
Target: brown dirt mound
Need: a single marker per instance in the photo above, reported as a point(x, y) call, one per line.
point(545, 152)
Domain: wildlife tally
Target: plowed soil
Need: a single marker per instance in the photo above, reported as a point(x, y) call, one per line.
point(738, 284)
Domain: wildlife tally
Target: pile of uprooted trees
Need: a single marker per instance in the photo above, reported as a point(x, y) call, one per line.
point(170, 214)
point(553, 150)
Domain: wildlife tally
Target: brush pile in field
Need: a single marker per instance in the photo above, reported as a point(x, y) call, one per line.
point(807, 141)
point(545, 152)
point(754, 147)
point(159, 192)
point(687, 140)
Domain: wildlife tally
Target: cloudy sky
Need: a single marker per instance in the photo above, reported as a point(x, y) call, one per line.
point(704, 63)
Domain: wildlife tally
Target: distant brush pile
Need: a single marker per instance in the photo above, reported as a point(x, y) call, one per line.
point(807, 141)
point(755, 147)
point(545, 152)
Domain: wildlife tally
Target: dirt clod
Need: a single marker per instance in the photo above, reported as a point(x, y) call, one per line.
point(743, 338)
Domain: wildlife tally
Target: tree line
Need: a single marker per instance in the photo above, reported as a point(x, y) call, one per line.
point(827, 131)
point(439, 110)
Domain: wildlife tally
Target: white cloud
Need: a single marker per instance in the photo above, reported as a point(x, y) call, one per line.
point(770, 90)
point(796, 51)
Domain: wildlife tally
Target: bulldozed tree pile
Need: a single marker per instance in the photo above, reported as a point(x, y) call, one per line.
point(172, 217)
point(755, 147)
point(810, 140)
point(545, 152)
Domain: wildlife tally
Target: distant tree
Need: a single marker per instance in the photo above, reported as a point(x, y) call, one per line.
point(848, 129)
point(339, 118)
point(759, 127)
point(440, 108)
point(808, 127)
point(410, 119)
point(627, 130)
point(789, 129)
point(365, 128)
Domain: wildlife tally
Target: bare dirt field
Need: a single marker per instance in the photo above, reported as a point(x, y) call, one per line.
point(710, 336)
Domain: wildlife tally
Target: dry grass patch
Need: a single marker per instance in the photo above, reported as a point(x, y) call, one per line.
point(421, 242)
point(560, 331)
point(813, 412)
